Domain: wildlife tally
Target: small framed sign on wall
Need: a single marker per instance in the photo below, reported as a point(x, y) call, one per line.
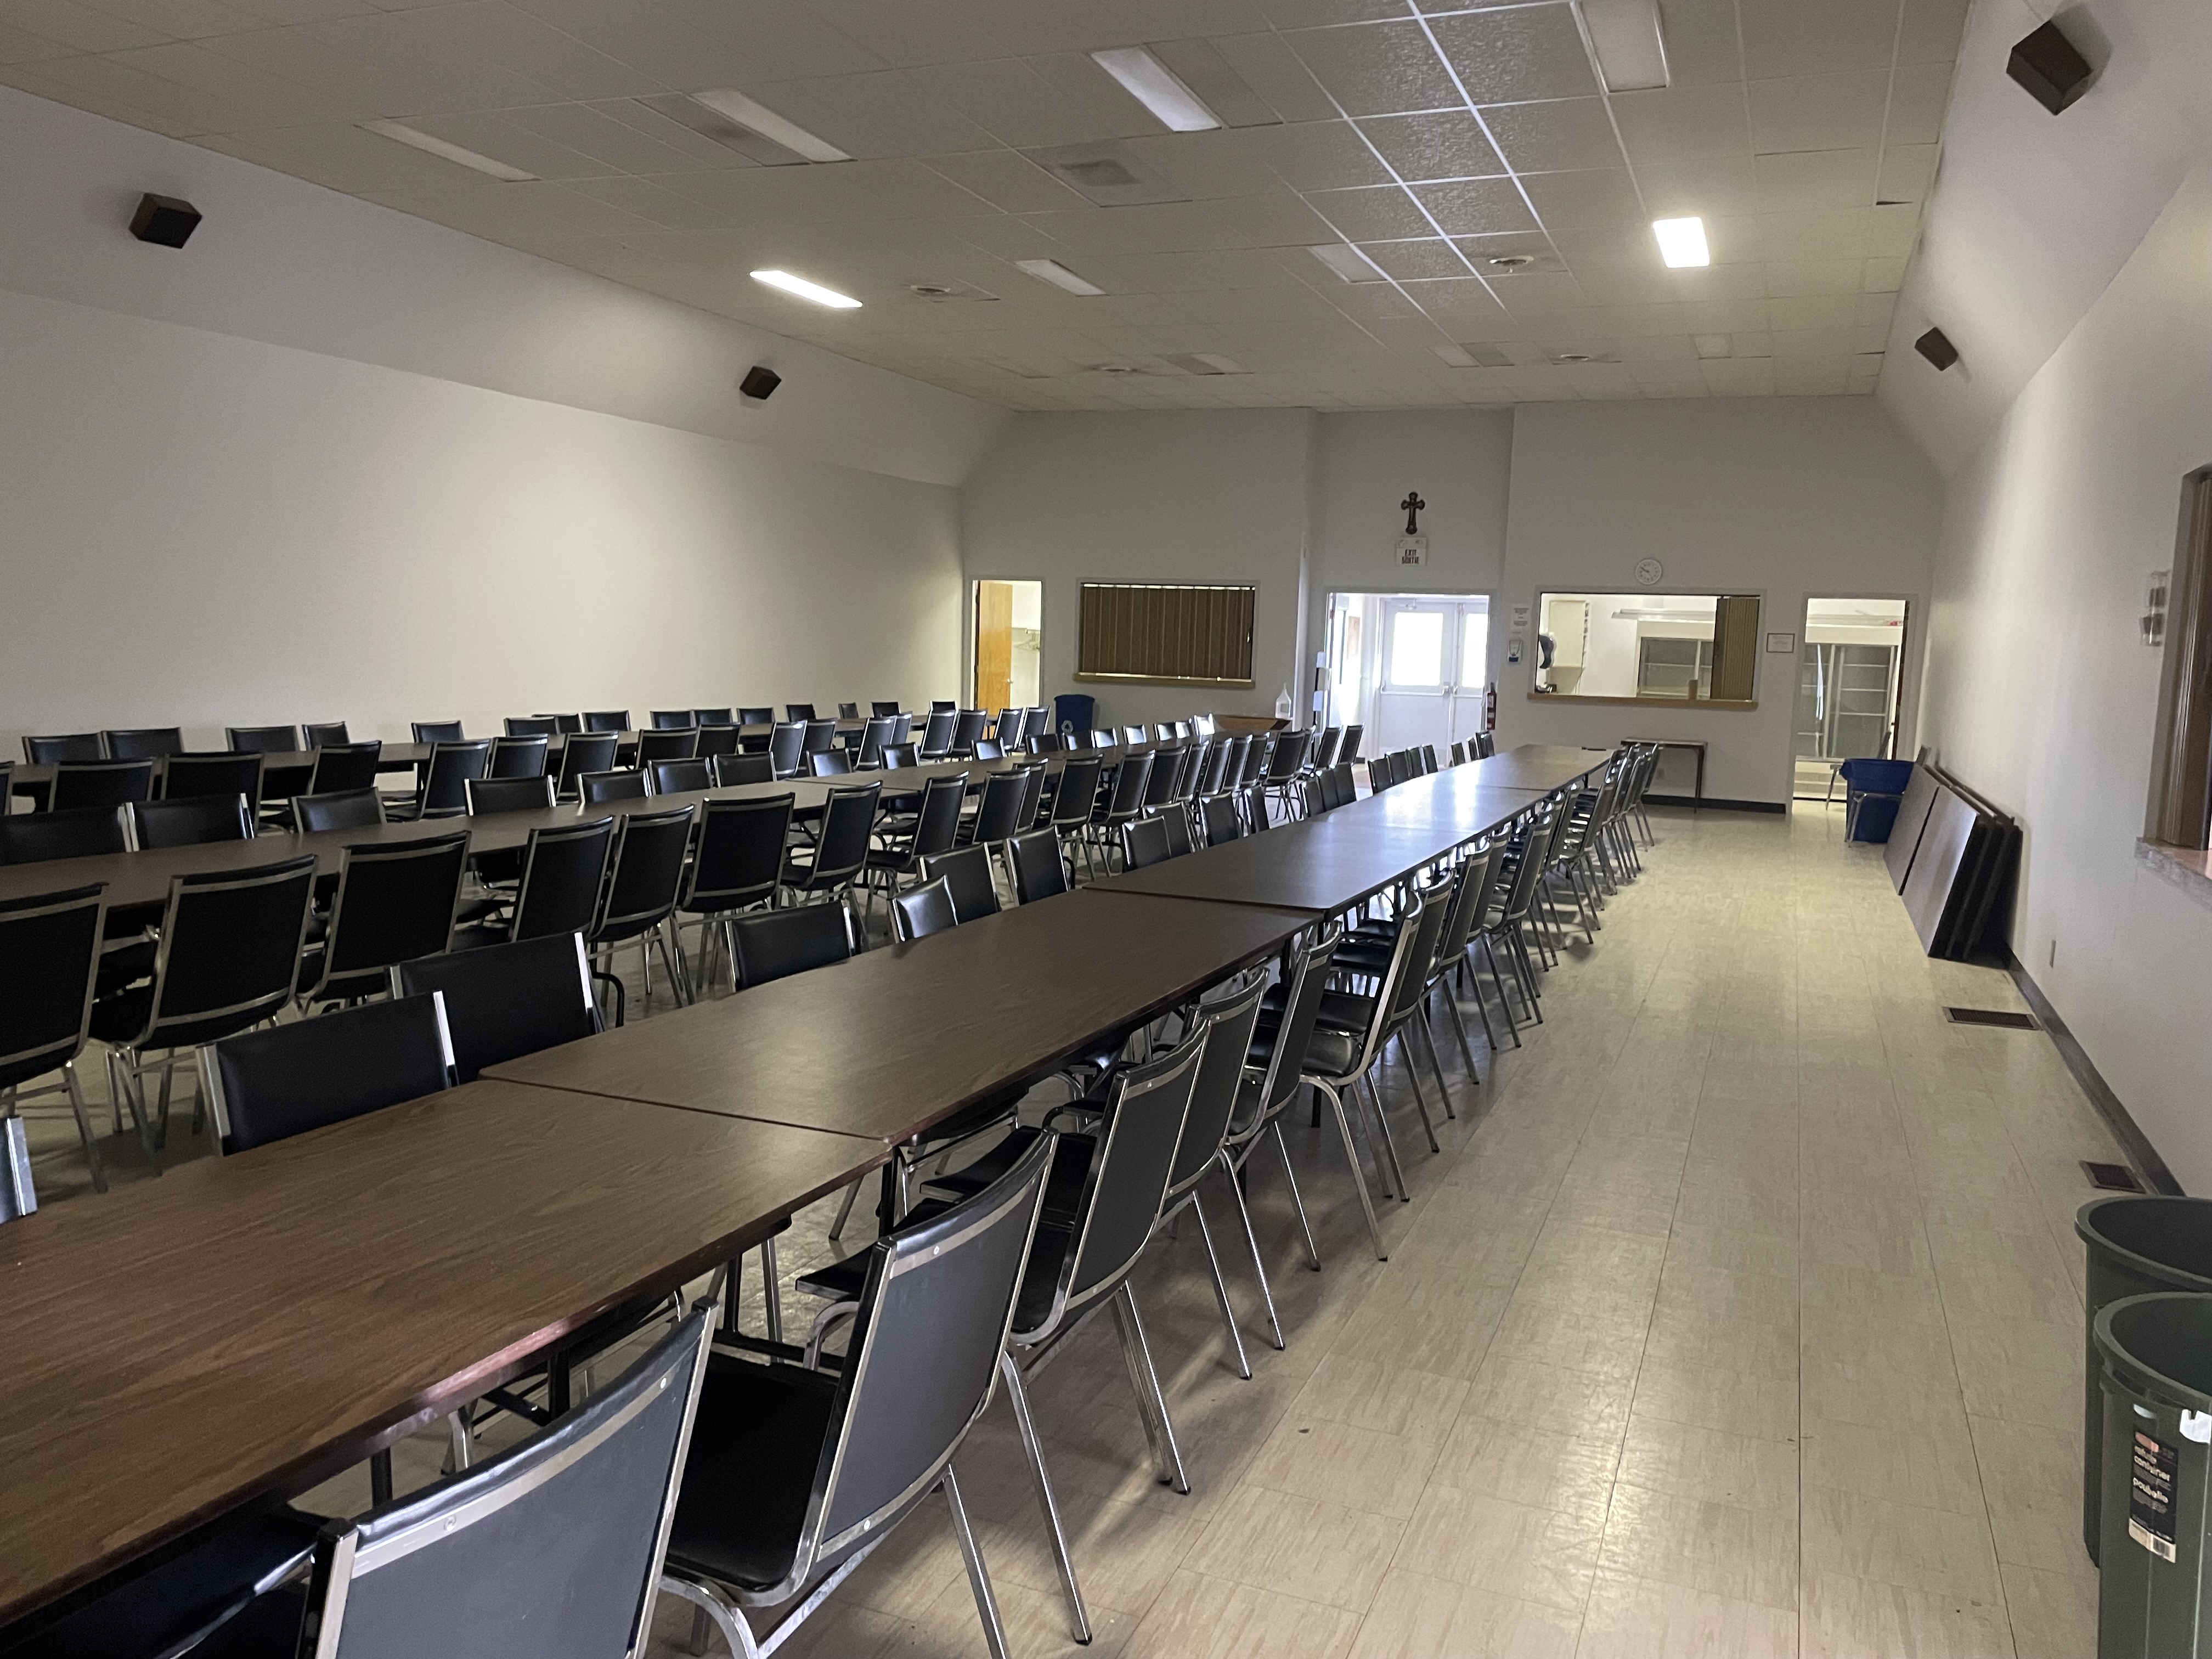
point(1782, 644)
point(1412, 550)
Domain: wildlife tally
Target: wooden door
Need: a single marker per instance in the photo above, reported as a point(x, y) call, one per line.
point(994, 644)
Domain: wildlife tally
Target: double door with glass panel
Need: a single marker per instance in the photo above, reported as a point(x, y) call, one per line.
point(1435, 674)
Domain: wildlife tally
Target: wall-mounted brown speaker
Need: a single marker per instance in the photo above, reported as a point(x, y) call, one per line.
point(164, 220)
point(2047, 63)
point(759, 382)
point(1936, 346)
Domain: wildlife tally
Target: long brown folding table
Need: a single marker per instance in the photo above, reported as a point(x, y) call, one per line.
point(245, 1326)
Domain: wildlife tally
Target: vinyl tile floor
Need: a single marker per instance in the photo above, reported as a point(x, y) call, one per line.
point(1739, 1317)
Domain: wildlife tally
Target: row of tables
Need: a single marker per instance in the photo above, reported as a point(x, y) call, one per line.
point(244, 1328)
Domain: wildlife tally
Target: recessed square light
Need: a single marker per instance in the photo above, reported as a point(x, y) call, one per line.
point(806, 291)
point(1682, 242)
point(1347, 261)
point(1158, 88)
point(1051, 271)
point(1632, 51)
point(432, 145)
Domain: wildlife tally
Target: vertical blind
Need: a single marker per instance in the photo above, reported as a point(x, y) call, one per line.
point(1180, 633)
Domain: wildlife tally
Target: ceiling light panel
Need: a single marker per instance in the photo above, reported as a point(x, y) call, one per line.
point(1158, 88)
point(736, 122)
point(1199, 65)
point(806, 291)
point(1630, 42)
point(432, 145)
point(1051, 271)
point(1347, 261)
point(1681, 242)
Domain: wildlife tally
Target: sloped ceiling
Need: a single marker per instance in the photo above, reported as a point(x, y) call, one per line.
point(2033, 213)
point(1437, 137)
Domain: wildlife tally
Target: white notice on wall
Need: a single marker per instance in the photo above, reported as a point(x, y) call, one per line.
point(1412, 550)
point(1521, 613)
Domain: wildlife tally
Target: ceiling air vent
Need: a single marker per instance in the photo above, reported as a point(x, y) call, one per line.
point(1591, 354)
point(1108, 175)
point(940, 292)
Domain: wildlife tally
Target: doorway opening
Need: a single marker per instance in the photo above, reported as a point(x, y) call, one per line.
point(1411, 668)
point(1009, 637)
point(1847, 681)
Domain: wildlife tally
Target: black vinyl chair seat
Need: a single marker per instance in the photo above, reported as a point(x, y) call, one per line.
point(760, 1432)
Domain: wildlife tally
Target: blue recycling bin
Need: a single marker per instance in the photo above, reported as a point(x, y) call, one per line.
point(1872, 792)
point(1074, 711)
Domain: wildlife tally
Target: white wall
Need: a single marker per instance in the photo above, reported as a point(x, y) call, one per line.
point(1459, 461)
point(1168, 495)
point(1779, 496)
point(2038, 694)
point(329, 462)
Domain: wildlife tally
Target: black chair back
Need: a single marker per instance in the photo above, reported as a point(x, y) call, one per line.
point(743, 768)
point(649, 872)
point(144, 743)
point(672, 720)
point(1230, 1013)
point(1331, 790)
point(1305, 979)
point(554, 1545)
point(847, 819)
point(714, 717)
point(1255, 807)
point(75, 746)
point(937, 733)
point(968, 725)
point(1039, 872)
point(533, 725)
point(800, 712)
point(740, 855)
point(446, 775)
point(606, 720)
point(849, 711)
point(270, 1085)
point(345, 809)
point(343, 768)
point(761, 716)
point(1218, 752)
point(1044, 743)
point(1159, 788)
point(263, 740)
point(507, 1001)
point(437, 731)
point(967, 872)
point(190, 822)
point(1348, 751)
point(394, 902)
point(564, 725)
point(1257, 752)
point(48, 963)
point(880, 709)
point(821, 736)
point(717, 740)
point(772, 945)
point(599, 788)
point(1078, 794)
point(522, 794)
point(1324, 750)
point(668, 742)
point(787, 748)
point(942, 705)
point(1032, 797)
point(1130, 779)
point(1217, 816)
point(677, 777)
point(988, 748)
point(83, 832)
point(586, 751)
point(1289, 757)
point(519, 757)
point(563, 871)
point(1176, 824)
point(187, 776)
point(830, 763)
point(920, 911)
point(100, 783)
point(937, 826)
point(998, 817)
point(326, 734)
point(896, 755)
point(1145, 841)
point(881, 730)
point(229, 953)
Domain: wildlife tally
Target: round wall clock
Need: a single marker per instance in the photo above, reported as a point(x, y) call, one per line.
point(1651, 573)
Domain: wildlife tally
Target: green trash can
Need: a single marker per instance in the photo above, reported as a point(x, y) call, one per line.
point(2156, 1391)
point(2135, 1245)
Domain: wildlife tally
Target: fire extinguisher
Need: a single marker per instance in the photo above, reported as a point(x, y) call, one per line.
point(1490, 708)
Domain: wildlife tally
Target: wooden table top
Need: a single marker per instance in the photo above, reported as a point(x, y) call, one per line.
point(247, 1326)
point(898, 1039)
point(28, 780)
point(1542, 767)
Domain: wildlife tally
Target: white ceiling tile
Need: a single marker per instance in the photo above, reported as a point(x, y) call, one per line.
point(1882, 275)
point(1720, 281)
point(81, 28)
point(1478, 207)
point(1750, 342)
point(597, 131)
point(1318, 155)
point(1208, 164)
point(1602, 197)
point(1272, 69)
point(1701, 42)
point(788, 42)
point(1931, 31)
point(513, 39)
point(1007, 180)
point(93, 81)
point(887, 113)
point(1160, 228)
point(1705, 189)
point(1613, 245)
point(1724, 316)
point(1442, 144)
point(1639, 349)
point(1518, 54)
point(1805, 179)
point(909, 33)
point(652, 39)
point(19, 47)
point(1789, 37)
point(1632, 282)
point(1892, 231)
point(176, 19)
point(1814, 311)
point(1010, 101)
point(1434, 256)
point(1875, 310)
point(1807, 278)
point(1818, 112)
point(1737, 377)
point(1908, 172)
point(1864, 339)
point(1373, 213)
point(1553, 138)
point(1377, 68)
point(1917, 98)
point(1092, 96)
point(276, 101)
point(1275, 221)
point(1830, 233)
point(1684, 124)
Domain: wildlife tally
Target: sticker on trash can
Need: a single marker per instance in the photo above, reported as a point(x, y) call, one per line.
point(2150, 1496)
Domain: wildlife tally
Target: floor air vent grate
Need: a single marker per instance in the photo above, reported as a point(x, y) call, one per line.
point(2009, 1021)
point(2112, 1178)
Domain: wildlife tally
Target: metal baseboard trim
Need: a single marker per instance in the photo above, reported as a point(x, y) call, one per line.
point(2144, 1156)
point(1724, 805)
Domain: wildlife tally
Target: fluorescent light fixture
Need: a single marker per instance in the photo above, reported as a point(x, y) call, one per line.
point(1681, 242)
point(1457, 356)
point(1158, 88)
point(1632, 51)
point(435, 146)
point(1347, 261)
point(1206, 363)
point(758, 118)
point(806, 291)
point(1051, 271)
